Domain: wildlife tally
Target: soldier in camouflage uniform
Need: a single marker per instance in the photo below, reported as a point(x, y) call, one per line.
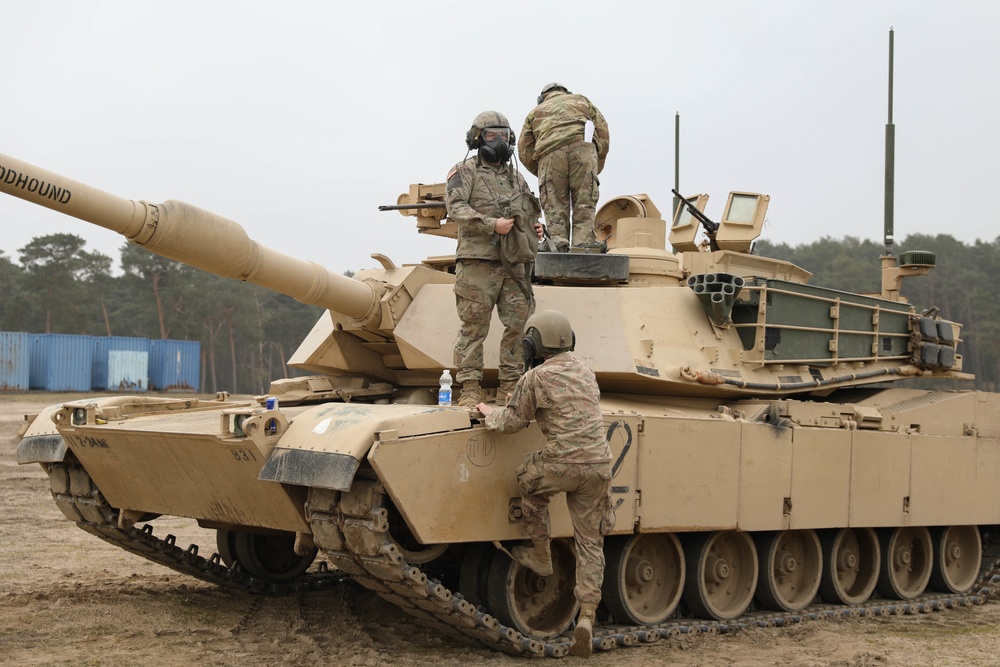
point(554, 148)
point(483, 194)
point(561, 393)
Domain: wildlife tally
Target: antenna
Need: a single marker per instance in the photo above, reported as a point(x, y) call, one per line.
point(677, 161)
point(890, 157)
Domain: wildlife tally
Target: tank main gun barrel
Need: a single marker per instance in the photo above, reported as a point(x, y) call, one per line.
point(193, 236)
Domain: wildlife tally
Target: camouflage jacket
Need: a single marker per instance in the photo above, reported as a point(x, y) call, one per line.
point(562, 394)
point(559, 121)
point(476, 195)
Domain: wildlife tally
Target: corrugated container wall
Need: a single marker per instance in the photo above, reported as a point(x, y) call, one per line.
point(120, 364)
point(15, 360)
point(61, 362)
point(174, 365)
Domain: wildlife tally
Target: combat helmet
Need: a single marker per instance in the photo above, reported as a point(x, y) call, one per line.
point(474, 137)
point(548, 88)
point(546, 332)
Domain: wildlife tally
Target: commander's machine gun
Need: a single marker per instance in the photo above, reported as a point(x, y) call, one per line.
point(426, 204)
point(693, 209)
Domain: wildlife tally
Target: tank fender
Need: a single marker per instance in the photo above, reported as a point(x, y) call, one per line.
point(324, 446)
point(41, 449)
point(40, 441)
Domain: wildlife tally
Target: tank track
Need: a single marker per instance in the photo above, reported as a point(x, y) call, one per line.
point(81, 501)
point(353, 529)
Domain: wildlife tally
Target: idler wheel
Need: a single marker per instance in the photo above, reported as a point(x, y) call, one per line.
point(474, 572)
point(539, 607)
point(269, 556)
point(225, 541)
point(413, 551)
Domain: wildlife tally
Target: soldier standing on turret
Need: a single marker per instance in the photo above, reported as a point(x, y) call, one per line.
point(498, 232)
point(564, 142)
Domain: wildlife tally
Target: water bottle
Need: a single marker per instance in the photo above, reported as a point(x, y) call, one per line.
point(444, 391)
point(271, 403)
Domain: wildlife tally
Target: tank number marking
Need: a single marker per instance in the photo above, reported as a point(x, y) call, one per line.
point(243, 454)
point(627, 435)
point(89, 442)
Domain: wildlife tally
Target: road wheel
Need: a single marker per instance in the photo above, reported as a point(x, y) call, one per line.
point(791, 564)
point(907, 559)
point(958, 553)
point(721, 574)
point(643, 577)
point(851, 558)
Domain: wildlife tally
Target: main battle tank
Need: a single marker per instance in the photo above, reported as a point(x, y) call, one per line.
point(767, 468)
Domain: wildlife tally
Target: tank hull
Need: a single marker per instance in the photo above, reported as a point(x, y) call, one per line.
point(901, 457)
point(705, 486)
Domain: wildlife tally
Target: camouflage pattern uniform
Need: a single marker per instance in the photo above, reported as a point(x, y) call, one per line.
point(476, 191)
point(551, 147)
point(563, 396)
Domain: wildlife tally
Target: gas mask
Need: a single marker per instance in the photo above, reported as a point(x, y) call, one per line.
point(496, 145)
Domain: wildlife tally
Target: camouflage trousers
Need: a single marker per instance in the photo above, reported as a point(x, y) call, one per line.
point(481, 284)
point(587, 487)
point(567, 179)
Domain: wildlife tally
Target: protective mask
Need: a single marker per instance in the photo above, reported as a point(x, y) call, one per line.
point(496, 150)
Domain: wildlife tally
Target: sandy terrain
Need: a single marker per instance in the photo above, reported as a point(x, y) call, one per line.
point(67, 598)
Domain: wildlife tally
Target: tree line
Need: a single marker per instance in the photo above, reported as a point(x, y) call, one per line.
point(248, 332)
point(960, 286)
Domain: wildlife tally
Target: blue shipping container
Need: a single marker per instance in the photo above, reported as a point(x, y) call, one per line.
point(15, 360)
point(174, 365)
point(120, 364)
point(36, 368)
point(61, 362)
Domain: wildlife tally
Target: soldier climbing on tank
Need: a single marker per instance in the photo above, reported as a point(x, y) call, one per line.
point(561, 393)
point(498, 233)
point(564, 142)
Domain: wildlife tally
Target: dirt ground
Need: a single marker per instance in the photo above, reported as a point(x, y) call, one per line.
point(67, 598)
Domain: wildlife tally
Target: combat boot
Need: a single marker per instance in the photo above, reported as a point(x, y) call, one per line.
point(583, 634)
point(537, 557)
point(504, 393)
point(472, 395)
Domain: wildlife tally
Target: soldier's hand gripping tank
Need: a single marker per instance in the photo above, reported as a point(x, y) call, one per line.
point(490, 200)
point(561, 392)
point(555, 149)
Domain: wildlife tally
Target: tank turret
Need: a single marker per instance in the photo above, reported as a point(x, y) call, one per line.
point(722, 322)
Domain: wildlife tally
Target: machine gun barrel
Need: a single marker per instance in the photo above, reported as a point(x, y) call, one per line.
point(193, 236)
point(404, 207)
point(710, 227)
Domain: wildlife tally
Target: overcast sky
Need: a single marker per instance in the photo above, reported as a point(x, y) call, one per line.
point(297, 119)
